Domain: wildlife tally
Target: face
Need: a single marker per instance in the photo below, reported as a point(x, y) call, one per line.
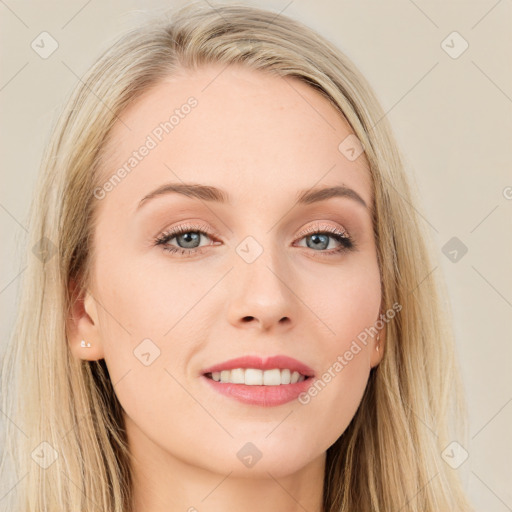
point(185, 282)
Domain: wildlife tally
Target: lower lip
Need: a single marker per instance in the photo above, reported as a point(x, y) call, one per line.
point(265, 396)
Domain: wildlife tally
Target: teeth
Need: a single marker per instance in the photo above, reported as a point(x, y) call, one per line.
point(272, 377)
point(237, 376)
point(253, 377)
point(256, 377)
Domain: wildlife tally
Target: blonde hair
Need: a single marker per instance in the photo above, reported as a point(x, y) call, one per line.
point(389, 458)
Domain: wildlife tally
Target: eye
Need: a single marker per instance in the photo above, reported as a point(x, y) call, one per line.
point(188, 238)
point(317, 238)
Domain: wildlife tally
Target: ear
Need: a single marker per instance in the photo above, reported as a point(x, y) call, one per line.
point(377, 347)
point(82, 325)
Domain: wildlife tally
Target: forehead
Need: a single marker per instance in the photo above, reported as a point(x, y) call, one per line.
point(258, 134)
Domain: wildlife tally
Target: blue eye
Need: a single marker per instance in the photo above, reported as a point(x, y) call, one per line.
point(319, 236)
point(318, 240)
point(189, 238)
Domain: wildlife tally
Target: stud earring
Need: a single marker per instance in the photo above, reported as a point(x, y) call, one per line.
point(82, 344)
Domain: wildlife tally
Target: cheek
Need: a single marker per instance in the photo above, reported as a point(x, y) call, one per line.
point(350, 307)
point(143, 300)
point(333, 399)
point(148, 338)
point(145, 328)
point(348, 302)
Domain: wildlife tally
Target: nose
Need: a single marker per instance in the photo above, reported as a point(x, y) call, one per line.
point(262, 297)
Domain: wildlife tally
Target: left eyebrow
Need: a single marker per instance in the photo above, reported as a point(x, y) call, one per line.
point(214, 194)
point(315, 195)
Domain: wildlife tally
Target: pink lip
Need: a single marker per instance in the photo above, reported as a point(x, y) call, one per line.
point(268, 363)
point(266, 396)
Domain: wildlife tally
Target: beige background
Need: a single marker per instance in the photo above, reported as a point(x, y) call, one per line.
point(451, 116)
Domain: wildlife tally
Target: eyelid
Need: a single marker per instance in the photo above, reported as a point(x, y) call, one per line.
point(174, 230)
point(329, 228)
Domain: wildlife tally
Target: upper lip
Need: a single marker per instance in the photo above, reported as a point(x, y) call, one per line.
point(263, 363)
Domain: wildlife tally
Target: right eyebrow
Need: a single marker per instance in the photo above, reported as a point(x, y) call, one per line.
point(195, 190)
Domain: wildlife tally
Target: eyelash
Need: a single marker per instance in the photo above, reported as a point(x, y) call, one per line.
point(346, 241)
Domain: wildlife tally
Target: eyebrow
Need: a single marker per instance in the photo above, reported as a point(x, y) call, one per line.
point(214, 194)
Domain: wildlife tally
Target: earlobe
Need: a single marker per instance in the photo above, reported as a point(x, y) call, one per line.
point(83, 330)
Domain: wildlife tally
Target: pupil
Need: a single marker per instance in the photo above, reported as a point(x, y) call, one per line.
point(322, 239)
point(190, 238)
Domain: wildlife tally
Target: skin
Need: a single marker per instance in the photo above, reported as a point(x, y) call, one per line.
point(262, 139)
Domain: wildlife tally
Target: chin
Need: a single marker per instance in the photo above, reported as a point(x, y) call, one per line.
point(256, 459)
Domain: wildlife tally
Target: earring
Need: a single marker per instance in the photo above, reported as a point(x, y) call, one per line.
point(82, 344)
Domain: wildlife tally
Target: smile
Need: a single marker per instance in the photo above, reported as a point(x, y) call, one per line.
point(257, 377)
point(263, 381)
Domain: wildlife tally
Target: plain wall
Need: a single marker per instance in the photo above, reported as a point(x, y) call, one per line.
point(452, 118)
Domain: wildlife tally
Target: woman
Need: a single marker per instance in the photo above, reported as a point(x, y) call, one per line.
point(231, 303)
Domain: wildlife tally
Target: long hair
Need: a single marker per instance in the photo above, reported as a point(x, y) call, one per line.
point(66, 446)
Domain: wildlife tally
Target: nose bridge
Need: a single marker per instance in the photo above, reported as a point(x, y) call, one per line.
point(258, 246)
point(261, 260)
point(261, 290)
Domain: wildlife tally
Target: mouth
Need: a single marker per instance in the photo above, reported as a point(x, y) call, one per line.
point(257, 377)
point(260, 381)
